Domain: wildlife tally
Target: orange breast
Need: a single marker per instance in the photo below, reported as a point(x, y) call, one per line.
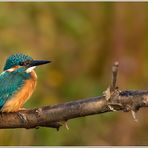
point(18, 100)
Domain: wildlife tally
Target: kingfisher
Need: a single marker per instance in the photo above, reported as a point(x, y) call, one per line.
point(18, 81)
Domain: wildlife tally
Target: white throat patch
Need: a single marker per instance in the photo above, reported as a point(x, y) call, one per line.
point(30, 69)
point(11, 69)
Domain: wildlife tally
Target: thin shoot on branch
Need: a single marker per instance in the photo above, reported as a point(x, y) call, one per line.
point(114, 75)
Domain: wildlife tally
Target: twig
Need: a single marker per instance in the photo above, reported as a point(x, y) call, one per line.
point(114, 75)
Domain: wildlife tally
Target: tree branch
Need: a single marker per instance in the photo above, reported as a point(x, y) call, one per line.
point(55, 115)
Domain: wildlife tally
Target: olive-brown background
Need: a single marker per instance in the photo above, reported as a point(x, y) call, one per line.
point(82, 40)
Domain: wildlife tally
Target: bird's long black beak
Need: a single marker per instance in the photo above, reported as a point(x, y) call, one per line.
point(38, 62)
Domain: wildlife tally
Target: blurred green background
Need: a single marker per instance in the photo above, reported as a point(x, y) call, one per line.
point(83, 40)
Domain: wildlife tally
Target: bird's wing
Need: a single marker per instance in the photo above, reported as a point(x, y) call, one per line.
point(10, 82)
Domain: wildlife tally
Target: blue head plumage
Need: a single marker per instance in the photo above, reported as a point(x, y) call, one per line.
point(17, 60)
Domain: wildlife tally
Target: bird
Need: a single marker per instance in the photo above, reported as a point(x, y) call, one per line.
point(18, 81)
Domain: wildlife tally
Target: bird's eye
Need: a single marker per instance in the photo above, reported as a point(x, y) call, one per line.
point(21, 63)
point(25, 63)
